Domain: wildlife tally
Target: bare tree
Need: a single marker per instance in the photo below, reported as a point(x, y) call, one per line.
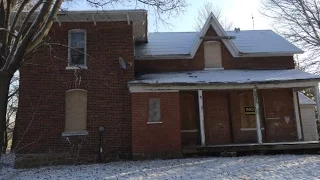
point(204, 12)
point(19, 37)
point(299, 21)
point(12, 108)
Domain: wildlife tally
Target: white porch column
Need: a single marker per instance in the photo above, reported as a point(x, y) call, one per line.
point(297, 115)
point(257, 112)
point(317, 98)
point(202, 133)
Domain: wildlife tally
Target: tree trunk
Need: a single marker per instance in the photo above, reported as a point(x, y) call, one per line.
point(5, 145)
point(4, 90)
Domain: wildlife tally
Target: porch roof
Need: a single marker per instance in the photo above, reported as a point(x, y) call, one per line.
point(234, 77)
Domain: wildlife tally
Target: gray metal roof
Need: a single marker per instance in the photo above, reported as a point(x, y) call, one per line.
point(181, 43)
point(168, 43)
point(262, 41)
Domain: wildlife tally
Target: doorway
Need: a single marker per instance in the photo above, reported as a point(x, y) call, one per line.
point(189, 118)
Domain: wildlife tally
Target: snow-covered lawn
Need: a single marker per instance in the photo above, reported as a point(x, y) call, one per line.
point(248, 167)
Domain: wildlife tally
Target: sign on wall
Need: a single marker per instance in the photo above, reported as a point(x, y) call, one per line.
point(249, 111)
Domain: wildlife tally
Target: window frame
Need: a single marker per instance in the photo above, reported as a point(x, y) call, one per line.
point(72, 66)
point(159, 108)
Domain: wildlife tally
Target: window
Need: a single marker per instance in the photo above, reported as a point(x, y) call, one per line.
point(154, 111)
point(247, 111)
point(212, 54)
point(77, 50)
point(76, 112)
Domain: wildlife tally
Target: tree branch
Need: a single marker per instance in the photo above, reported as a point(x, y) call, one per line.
point(46, 27)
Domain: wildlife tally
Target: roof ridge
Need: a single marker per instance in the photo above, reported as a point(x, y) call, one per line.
point(175, 32)
point(252, 30)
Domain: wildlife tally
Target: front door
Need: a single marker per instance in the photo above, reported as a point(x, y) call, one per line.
point(189, 118)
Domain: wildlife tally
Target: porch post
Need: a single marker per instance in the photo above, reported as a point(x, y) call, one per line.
point(202, 133)
point(297, 115)
point(257, 112)
point(317, 98)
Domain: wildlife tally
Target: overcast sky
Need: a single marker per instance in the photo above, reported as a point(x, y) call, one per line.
point(239, 12)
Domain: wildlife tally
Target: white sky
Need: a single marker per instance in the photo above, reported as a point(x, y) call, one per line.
point(239, 12)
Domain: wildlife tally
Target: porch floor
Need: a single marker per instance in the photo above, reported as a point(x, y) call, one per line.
point(251, 147)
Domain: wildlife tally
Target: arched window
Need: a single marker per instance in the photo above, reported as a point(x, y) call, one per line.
point(76, 112)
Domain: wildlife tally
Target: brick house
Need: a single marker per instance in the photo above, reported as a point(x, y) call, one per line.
point(154, 94)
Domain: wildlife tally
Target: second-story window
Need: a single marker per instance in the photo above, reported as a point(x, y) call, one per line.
point(77, 48)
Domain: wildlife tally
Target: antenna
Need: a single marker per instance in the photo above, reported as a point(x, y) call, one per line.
point(122, 63)
point(252, 21)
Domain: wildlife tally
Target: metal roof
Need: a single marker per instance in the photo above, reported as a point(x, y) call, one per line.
point(226, 77)
point(262, 41)
point(168, 43)
point(250, 42)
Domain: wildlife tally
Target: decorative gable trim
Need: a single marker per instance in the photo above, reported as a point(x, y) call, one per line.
point(214, 23)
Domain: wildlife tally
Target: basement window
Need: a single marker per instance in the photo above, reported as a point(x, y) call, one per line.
point(75, 113)
point(77, 42)
point(154, 111)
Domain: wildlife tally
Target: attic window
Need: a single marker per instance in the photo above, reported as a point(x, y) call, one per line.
point(77, 48)
point(212, 54)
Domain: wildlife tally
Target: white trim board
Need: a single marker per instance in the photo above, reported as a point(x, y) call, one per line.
point(134, 88)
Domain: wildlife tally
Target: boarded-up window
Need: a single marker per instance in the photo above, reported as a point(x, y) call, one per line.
point(212, 54)
point(154, 110)
point(76, 110)
point(247, 111)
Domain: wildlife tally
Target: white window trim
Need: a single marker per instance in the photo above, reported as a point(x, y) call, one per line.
point(75, 133)
point(160, 122)
point(73, 67)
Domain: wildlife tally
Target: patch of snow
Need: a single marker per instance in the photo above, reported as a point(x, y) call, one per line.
point(247, 167)
point(226, 76)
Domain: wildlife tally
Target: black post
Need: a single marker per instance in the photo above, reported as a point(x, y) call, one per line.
point(101, 129)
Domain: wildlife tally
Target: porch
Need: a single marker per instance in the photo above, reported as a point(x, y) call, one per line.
point(254, 147)
point(217, 120)
point(232, 110)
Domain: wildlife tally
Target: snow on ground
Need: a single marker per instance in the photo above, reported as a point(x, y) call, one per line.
point(247, 167)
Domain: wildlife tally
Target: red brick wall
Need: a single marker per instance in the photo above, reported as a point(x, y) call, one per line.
point(156, 138)
point(216, 117)
point(221, 106)
point(228, 62)
point(44, 80)
point(279, 105)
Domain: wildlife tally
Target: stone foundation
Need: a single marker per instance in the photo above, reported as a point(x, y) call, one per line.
point(39, 160)
point(150, 156)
